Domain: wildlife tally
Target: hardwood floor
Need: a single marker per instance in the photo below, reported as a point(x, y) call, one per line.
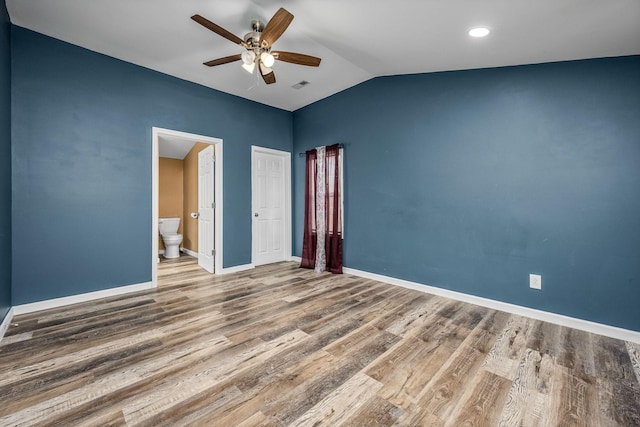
point(283, 346)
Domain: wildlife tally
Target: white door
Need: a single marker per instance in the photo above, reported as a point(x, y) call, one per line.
point(206, 205)
point(269, 207)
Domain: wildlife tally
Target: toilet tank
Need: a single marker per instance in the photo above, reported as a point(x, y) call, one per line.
point(168, 225)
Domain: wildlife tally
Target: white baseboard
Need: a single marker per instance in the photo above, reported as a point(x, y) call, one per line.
point(237, 268)
point(74, 299)
point(558, 319)
point(5, 323)
point(295, 258)
point(189, 252)
point(161, 252)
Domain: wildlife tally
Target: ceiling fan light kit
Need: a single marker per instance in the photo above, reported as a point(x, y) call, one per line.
point(258, 44)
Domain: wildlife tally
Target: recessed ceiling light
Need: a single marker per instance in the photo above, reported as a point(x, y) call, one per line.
point(479, 32)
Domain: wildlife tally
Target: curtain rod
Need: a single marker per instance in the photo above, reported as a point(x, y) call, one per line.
point(340, 145)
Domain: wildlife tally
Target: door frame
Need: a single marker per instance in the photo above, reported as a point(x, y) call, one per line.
point(286, 156)
point(155, 154)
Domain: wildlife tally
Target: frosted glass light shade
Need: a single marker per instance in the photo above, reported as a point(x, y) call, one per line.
point(249, 67)
point(267, 59)
point(248, 57)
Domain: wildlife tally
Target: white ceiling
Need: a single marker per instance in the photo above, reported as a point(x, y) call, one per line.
point(173, 147)
point(356, 39)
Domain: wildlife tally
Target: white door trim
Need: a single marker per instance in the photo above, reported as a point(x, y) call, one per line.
point(156, 133)
point(286, 156)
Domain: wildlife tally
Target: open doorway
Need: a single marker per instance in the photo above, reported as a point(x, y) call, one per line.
point(171, 145)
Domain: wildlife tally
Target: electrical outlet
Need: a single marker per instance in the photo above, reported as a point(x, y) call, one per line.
point(535, 281)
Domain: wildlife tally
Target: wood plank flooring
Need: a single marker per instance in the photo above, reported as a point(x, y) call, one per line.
point(283, 346)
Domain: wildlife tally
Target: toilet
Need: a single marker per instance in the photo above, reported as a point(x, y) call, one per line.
point(168, 228)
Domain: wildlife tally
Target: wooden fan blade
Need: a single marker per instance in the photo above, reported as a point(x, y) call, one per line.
point(224, 60)
point(275, 27)
point(297, 58)
point(269, 78)
point(267, 74)
point(218, 29)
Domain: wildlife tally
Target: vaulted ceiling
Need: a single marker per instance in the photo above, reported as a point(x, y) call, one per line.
point(356, 39)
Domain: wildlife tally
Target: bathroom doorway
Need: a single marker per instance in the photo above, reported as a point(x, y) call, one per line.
point(180, 151)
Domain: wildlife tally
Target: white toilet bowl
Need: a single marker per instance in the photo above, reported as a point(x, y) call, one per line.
point(168, 228)
point(172, 245)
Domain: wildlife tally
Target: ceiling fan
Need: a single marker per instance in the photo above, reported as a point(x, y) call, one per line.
point(258, 44)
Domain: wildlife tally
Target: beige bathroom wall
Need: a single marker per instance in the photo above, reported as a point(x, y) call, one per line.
point(170, 191)
point(190, 191)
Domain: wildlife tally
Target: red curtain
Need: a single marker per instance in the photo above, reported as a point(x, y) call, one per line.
point(333, 217)
point(333, 240)
point(310, 238)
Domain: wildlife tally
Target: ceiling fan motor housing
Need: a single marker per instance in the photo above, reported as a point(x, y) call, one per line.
point(252, 39)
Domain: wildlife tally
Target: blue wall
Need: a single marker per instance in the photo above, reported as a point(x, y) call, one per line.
point(82, 164)
point(5, 161)
point(465, 180)
point(471, 180)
